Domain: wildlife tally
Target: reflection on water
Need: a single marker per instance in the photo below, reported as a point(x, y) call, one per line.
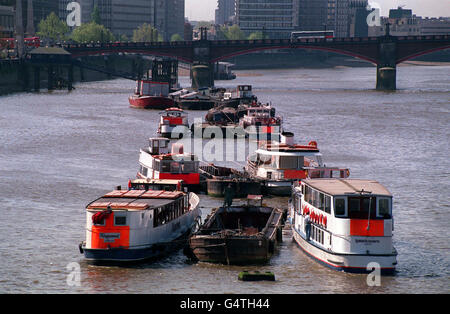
point(59, 151)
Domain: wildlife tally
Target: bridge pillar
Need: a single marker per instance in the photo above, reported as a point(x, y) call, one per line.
point(387, 65)
point(37, 78)
point(386, 78)
point(202, 76)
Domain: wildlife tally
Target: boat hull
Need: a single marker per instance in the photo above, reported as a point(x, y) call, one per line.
point(277, 188)
point(351, 263)
point(150, 102)
point(120, 255)
point(233, 250)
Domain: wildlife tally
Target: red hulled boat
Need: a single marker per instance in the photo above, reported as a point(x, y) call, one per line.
point(151, 95)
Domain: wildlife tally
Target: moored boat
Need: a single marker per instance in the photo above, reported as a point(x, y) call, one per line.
point(238, 235)
point(137, 225)
point(151, 95)
point(173, 123)
point(280, 164)
point(260, 122)
point(344, 224)
point(156, 162)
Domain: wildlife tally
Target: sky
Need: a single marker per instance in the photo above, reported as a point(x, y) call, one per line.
point(203, 10)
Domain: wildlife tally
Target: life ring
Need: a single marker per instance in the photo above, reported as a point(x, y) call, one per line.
point(313, 144)
point(325, 221)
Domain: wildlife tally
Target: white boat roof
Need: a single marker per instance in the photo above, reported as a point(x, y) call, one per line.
point(291, 153)
point(348, 186)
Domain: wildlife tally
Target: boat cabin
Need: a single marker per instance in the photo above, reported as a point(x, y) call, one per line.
point(174, 116)
point(244, 91)
point(156, 185)
point(157, 163)
point(152, 88)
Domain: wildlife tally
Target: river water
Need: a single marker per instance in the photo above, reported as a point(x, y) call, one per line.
point(61, 150)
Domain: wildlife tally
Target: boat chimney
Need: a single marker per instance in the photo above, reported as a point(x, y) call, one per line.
point(177, 149)
point(287, 138)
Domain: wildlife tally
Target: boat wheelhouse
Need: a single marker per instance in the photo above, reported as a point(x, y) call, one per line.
point(173, 123)
point(279, 164)
point(351, 223)
point(261, 123)
point(137, 225)
point(156, 162)
point(151, 95)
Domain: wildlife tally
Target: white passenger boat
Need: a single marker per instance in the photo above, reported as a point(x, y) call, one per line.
point(136, 225)
point(351, 224)
point(155, 162)
point(279, 164)
point(173, 123)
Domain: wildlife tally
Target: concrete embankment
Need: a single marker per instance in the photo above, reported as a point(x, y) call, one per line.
point(16, 76)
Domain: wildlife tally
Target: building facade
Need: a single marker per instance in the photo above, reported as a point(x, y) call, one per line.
point(6, 21)
point(123, 17)
point(225, 12)
point(312, 15)
point(276, 19)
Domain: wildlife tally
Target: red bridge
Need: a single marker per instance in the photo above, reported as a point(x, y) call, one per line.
point(385, 51)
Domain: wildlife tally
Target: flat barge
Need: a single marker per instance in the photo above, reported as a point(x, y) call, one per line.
point(238, 235)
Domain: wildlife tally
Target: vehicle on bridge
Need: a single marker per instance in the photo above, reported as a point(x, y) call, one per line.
point(312, 34)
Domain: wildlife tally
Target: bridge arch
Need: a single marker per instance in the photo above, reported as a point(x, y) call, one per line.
point(338, 51)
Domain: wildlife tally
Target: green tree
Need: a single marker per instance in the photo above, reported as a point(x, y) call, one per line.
point(176, 37)
point(92, 32)
point(146, 33)
point(52, 28)
point(256, 36)
point(95, 16)
point(233, 33)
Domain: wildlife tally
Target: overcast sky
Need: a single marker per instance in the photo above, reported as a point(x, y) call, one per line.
point(204, 9)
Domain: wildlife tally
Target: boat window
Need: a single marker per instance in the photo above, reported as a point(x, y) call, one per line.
point(188, 167)
point(156, 164)
point(327, 206)
point(384, 208)
point(165, 166)
point(144, 171)
point(120, 219)
point(175, 167)
point(359, 207)
point(288, 162)
point(339, 207)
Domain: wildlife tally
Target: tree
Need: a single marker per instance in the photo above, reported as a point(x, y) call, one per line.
point(233, 33)
point(146, 33)
point(176, 37)
point(256, 36)
point(95, 16)
point(52, 28)
point(92, 32)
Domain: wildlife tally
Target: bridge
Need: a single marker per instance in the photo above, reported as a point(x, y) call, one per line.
point(385, 51)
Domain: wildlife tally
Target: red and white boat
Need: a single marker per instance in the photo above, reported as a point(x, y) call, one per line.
point(260, 122)
point(173, 124)
point(157, 163)
point(136, 225)
point(344, 224)
point(280, 164)
point(151, 95)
